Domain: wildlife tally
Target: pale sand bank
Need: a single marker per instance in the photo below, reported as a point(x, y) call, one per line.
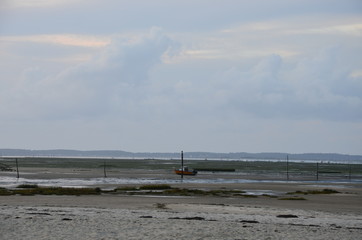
point(176, 221)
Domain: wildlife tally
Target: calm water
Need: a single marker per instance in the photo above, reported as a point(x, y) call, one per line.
point(12, 181)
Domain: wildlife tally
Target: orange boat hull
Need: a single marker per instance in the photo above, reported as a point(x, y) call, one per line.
point(179, 172)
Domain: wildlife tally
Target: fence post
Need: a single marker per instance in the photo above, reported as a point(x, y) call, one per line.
point(17, 168)
point(104, 169)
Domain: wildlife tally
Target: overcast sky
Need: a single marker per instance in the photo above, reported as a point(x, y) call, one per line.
point(166, 76)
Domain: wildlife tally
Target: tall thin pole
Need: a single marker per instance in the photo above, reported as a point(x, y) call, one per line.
point(317, 171)
point(104, 169)
point(288, 167)
point(349, 172)
point(17, 168)
point(182, 165)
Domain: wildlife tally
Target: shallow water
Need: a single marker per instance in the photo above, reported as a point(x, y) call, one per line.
point(10, 182)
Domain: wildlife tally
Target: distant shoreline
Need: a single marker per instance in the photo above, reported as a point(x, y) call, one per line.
point(176, 159)
point(332, 157)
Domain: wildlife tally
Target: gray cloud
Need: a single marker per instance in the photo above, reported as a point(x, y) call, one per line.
point(311, 88)
point(124, 78)
point(315, 87)
point(110, 81)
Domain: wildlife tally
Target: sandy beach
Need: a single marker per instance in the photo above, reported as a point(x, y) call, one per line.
point(107, 216)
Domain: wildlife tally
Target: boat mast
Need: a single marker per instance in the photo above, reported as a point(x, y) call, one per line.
point(287, 167)
point(182, 164)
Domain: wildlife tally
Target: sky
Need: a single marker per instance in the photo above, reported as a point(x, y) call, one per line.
point(166, 76)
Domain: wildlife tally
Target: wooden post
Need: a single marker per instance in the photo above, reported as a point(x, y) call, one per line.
point(17, 168)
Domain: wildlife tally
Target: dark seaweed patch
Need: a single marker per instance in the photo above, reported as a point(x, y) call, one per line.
point(287, 216)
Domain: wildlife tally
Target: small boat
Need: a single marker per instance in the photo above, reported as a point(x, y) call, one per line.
point(185, 171)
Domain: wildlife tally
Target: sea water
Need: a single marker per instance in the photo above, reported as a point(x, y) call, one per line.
point(11, 182)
